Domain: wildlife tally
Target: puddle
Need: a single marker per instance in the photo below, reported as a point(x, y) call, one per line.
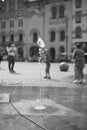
point(39, 104)
point(32, 107)
point(36, 101)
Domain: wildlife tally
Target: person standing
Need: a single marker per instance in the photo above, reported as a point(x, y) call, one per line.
point(1, 56)
point(0, 59)
point(48, 63)
point(79, 58)
point(11, 50)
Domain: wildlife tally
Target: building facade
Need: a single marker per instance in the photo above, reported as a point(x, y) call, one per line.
point(58, 22)
point(79, 30)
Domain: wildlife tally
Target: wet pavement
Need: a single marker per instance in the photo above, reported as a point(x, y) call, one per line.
point(29, 102)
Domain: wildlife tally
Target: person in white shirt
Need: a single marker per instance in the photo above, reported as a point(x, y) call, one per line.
point(11, 50)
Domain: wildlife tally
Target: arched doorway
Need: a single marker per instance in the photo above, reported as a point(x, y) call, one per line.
point(20, 53)
point(34, 51)
point(52, 54)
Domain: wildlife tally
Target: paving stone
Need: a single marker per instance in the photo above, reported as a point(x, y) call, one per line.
point(28, 84)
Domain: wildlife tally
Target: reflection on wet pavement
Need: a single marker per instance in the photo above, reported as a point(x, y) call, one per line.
point(51, 107)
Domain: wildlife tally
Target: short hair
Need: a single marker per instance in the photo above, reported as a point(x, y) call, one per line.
point(9, 44)
point(78, 45)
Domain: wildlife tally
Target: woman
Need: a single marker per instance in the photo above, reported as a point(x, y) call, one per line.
point(79, 57)
point(11, 49)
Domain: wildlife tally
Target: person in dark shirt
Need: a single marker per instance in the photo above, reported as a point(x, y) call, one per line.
point(1, 56)
point(48, 63)
point(79, 58)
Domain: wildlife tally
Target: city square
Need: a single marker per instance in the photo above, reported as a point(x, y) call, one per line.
point(28, 101)
point(43, 52)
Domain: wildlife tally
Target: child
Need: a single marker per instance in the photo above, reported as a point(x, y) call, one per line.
point(48, 63)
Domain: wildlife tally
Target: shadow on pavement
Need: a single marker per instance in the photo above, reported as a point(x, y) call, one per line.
point(55, 80)
point(15, 73)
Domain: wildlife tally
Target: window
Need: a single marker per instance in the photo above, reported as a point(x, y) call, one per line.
point(62, 35)
point(78, 32)
point(61, 11)
point(52, 36)
point(54, 12)
point(11, 37)
point(11, 5)
point(21, 37)
point(35, 37)
point(3, 24)
point(78, 3)
point(11, 23)
point(3, 38)
point(78, 16)
point(20, 4)
point(3, 5)
point(20, 23)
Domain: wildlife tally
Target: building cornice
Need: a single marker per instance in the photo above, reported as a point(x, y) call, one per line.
point(25, 11)
point(36, 2)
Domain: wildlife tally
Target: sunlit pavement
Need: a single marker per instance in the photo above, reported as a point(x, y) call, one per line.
point(30, 102)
